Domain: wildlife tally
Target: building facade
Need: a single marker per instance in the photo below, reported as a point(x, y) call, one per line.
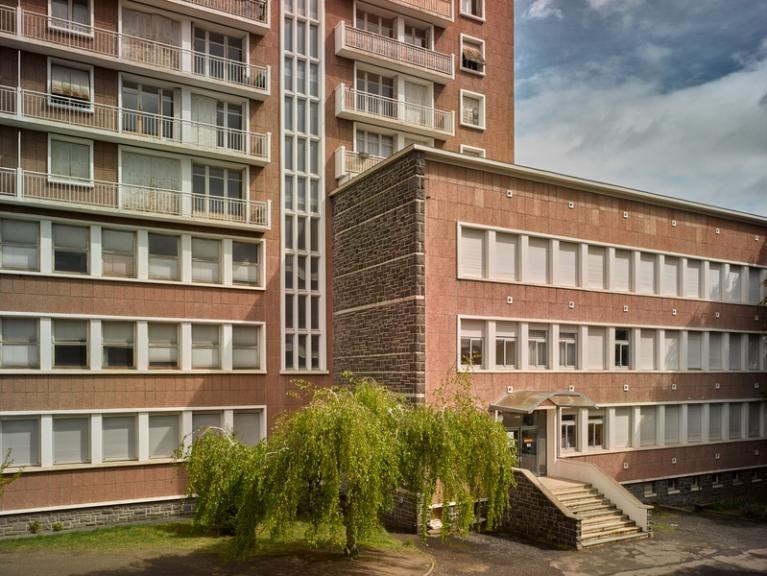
point(170, 258)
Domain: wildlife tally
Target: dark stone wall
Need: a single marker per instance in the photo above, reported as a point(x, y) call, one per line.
point(378, 276)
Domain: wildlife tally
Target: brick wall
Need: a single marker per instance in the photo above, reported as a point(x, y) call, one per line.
point(378, 276)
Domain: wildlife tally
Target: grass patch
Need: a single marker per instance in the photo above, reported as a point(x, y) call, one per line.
point(751, 508)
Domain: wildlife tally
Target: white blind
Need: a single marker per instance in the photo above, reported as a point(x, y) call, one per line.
point(647, 349)
point(150, 171)
point(163, 347)
point(69, 330)
point(75, 237)
point(715, 422)
point(694, 350)
point(646, 280)
point(204, 112)
point(671, 428)
point(506, 256)
point(647, 425)
point(245, 346)
point(754, 285)
point(715, 350)
point(245, 258)
point(714, 281)
point(151, 27)
point(622, 426)
point(205, 260)
point(595, 267)
point(622, 271)
point(70, 82)
point(205, 420)
point(71, 443)
point(508, 329)
point(118, 241)
point(734, 283)
point(70, 159)
point(18, 343)
point(472, 328)
point(596, 348)
point(567, 265)
point(538, 260)
point(22, 438)
point(671, 347)
point(163, 435)
point(119, 437)
point(736, 351)
point(205, 346)
point(694, 422)
point(19, 244)
point(692, 279)
point(247, 427)
point(670, 284)
point(472, 252)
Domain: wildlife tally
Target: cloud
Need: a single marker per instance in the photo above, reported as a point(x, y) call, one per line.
point(706, 142)
point(542, 9)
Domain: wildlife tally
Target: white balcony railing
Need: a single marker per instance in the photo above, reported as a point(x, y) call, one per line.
point(441, 8)
point(28, 104)
point(122, 47)
point(256, 10)
point(433, 120)
point(350, 163)
point(130, 199)
point(392, 49)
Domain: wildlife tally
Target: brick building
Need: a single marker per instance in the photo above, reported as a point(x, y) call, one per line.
point(169, 258)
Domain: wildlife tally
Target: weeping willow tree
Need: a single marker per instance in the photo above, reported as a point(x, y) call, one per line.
point(336, 463)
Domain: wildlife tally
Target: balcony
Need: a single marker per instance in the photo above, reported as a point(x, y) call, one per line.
point(252, 15)
point(350, 163)
point(125, 199)
point(375, 49)
point(393, 114)
point(438, 12)
point(133, 54)
point(21, 107)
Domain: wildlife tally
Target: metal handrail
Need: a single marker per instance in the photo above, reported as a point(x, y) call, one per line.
point(443, 8)
point(256, 10)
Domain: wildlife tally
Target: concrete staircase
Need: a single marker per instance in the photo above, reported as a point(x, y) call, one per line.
point(601, 521)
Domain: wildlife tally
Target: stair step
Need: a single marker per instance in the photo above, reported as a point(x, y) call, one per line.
point(607, 527)
point(570, 489)
point(576, 504)
point(606, 539)
point(614, 532)
point(577, 495)
point(596, 518)
point(600, 508)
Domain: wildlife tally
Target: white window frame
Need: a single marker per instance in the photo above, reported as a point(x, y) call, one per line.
point(537, 341)
point(482, 109)
point(77, 66)
point(473, 151)
point(480, 18)
point(58, 179)
point(481, 43)
point(35, 343)
point(568, 336)
point(73, 31)
point(623, 343)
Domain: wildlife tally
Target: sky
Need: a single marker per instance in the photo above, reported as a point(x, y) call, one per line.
point(666, 96)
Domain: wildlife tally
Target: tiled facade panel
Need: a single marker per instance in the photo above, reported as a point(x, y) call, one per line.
point(71, 487)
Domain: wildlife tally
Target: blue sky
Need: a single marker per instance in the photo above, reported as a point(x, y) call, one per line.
point(668, 96)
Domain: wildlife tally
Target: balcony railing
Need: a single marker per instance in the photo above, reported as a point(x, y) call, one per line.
point(429, 119)
point(441, 8)
point(130, 199)
point(256, 10)
point(351, 163)
point(402, 52)
point(122, 47)
point(134, 124)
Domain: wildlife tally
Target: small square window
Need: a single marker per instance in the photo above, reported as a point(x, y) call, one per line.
point(18, 343)
point(163, 257)
point(472, 55)
point(164, 435)
point(472, 151)
point(245, 350)
point(71, 248)
point(70, 344)
point(163, 345)
point(246, 263)
point(206, 260)
point(71, 86)
point(118, 344)
point(72, 15)
point(19, 245)
point(472, 110)
point(118, 253)
point(205, 346)
point(473, 8)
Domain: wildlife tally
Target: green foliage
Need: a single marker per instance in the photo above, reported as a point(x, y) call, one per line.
point(35, 527)
point(6, 479)
point(336, 463)
point(57, 527)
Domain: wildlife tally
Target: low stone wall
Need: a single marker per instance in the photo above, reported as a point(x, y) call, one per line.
point(535, 517)
point(15, 525)
point(404, 513)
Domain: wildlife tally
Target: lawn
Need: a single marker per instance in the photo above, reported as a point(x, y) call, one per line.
point(754, 508)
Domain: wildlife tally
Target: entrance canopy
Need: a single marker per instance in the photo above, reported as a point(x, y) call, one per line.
point(526, 401)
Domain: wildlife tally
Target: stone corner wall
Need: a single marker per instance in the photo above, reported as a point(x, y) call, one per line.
point(533, 516)
point(405, 512)
point(378, 276)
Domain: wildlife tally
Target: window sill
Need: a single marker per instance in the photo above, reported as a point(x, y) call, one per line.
point(472, 17)
point(478, 127)
point(88, 466)
point(473, 72)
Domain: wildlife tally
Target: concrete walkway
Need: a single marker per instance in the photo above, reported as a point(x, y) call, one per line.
point(683, 545)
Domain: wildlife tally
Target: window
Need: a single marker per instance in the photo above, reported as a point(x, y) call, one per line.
point(473, 151)
point(370, 88)
point(71, 440)
point(472, 343)
point(118, 435)
point(163, 257)
point(163, 435)
point(18, 344)
point(71, 86)
point(505, 345)
point(715, 422)
point(596, 429)
point(118, 253)
point(754, 285)
point(646, 280)
point(694, 422)
point(649, 489)
point(206, 260)
point(70, 248)
point(673, 486)
point(475, 8)
point(70, 160)
point(568, 431)
point(672, 423)
point(20, 438)
point(537, 348)
point(692, 283)
point(622, 271)
point(671, 344)
point(568, 349)
point(70, 343)
point(143, 175)
point(118, 344)
point(247, 427)
point(647, 419)
point(201, 421)
point(416, 35)
point(505, 254)
point(218, 190)
point(694, 350)
point(246, 263)
point(245, 349)
point(754, 419)
point(163, 345)
point(736, 478)
point(622, 348)
point(595, 267)
point(73, 15)
point(19, 245)
point(567, 264)
point(373, 143)
point(716, 480)
point(647, 340)
point(622, 424)
point(715, 350)
point(695, 483)
point(219, 56)
point(147, 109)
point(205, 346)
point(596, 348)
point(670, 285)
point(753, 351)
point(140, 26)
point(736, 417)
point(472, 252)
point(472, 110)
point(736, 351)
point(538, 260)
point(735, 283)
point(756, 476)
point(472, 55)
point(374, 23)
point(714, 281)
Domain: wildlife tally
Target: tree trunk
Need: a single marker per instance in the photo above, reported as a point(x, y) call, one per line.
point(351, 549)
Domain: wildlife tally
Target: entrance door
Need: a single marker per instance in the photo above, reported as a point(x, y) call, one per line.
point(529, 434)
